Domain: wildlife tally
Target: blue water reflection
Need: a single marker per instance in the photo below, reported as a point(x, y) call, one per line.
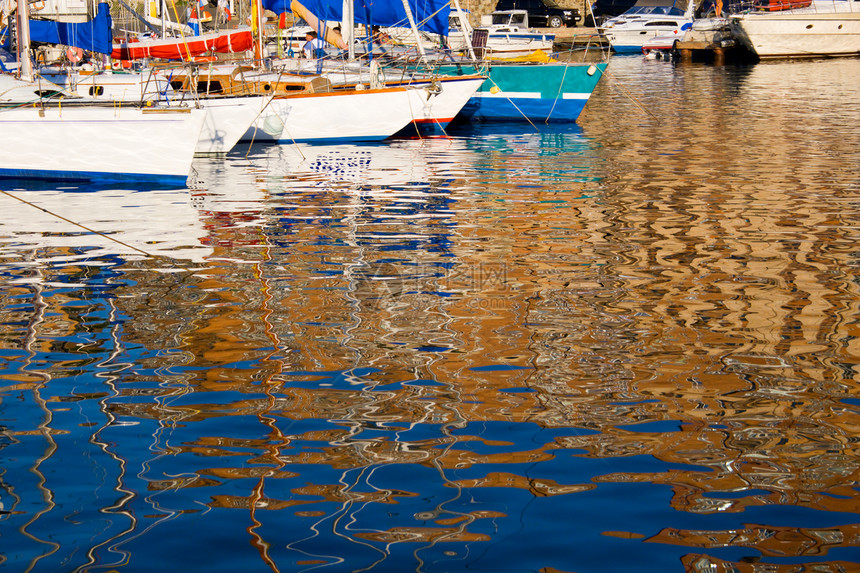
point(601, 347)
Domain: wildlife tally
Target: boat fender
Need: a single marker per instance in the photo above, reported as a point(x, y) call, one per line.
point(273, 125)
point(377, 76)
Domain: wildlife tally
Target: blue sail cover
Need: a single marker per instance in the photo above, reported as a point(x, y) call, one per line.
point(94, 35)
point(430, 15)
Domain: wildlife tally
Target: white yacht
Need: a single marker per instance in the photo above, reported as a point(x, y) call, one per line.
point(507, 35)
point(647, 19)
point(821, 28)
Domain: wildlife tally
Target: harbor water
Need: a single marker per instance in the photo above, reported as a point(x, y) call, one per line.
point(629, 344)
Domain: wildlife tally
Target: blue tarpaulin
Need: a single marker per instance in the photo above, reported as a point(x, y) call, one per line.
point(430, 15)
point(94, 35)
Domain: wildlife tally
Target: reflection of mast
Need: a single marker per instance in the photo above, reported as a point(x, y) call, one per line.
point(265, 416)
point(39, 306)
point(126, 495)
point(358, 421)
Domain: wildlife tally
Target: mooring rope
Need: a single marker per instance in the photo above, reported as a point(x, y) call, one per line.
point(58, 216)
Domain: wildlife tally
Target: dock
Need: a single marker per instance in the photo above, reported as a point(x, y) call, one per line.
point(577, 37)
point(717, 46)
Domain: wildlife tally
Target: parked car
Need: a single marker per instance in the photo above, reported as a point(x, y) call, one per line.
point(602, 10)
point(543, 14)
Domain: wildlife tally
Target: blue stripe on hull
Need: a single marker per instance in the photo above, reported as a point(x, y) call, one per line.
point(627, 49)
point(250, 137)
point(329, 140)
point(94, 176)
point(536, 109)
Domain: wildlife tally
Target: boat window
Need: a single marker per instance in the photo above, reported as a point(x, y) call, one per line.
point(47, 93)
point(655, 10)
point(209, 87)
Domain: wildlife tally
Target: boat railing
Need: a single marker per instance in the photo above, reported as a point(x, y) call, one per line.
point(747, 6)
point(157, 84)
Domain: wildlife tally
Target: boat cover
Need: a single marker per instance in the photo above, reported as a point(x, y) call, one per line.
point(233, 41)
point(94, 35)
point(430, 15)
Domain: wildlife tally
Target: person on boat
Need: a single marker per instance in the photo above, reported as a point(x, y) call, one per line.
point(380, 37)
point(314, 47)
point(222, 12)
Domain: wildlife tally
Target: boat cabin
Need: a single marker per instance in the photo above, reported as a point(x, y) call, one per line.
point(243, 80)
point(507, 20)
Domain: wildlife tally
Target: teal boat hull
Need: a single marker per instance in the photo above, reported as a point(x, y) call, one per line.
point(553, 92)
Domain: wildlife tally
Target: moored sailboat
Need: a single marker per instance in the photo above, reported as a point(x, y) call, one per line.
point(50, 138)
point(511, 90)
point(49, 133)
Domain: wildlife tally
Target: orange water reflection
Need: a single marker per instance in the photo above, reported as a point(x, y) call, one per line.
point(651, 288)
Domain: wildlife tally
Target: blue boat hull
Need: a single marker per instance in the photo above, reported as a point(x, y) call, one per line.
point(551, 92)
point(627, 49)
point(481, 109)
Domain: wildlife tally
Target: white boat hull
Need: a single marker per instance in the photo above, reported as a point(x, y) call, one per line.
point(94, 142)
point(434, 105)
point(799, 34)
point(361, 115)
point(228, 120)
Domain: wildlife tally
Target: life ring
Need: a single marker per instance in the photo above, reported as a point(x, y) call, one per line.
point(74, 55)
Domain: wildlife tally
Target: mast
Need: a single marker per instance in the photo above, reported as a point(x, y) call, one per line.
point(347, 28)
point(259, 23)
point(25, 64)
point(691, 8)
point(465, 29)
point(163, 9)
point(412, 25)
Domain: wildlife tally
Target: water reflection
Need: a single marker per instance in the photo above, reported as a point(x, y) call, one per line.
point(625, 344)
